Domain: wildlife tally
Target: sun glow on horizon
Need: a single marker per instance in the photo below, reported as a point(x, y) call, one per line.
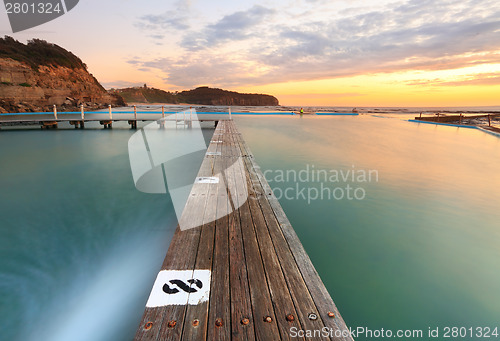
point(306, 53)
point(468, 86)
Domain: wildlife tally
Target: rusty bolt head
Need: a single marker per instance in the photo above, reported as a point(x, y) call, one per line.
point(290, 318)
point(148, 325)
point(196, 323)
point(171, 324)
point(331, 314)
point(245, 321)
point(268, 319)
point(312, 316)
point(219, 322)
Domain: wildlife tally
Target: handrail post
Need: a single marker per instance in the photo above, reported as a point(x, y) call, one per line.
point(460, 122)
point(489, 120)
point(162, 111)
point(190, 113)
point(135, 112)
point(55, 112)
point(229, 112)
point(110, 113)
point(83, 113)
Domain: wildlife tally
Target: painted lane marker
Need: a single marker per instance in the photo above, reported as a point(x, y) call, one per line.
point(180, 287)
point(207, 180)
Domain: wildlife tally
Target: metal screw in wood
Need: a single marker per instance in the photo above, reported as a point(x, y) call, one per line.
point(171, 324)
point(219, 322)
point(331, 314)
point(245, 321)
point(196, 323)
point(290, 318)
point(268, 319)
point(148, 325)
point(312, 316)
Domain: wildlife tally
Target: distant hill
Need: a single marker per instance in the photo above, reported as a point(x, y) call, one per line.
point(211, 96)
point(146, 95)
point(202, 95)
point(37, 75)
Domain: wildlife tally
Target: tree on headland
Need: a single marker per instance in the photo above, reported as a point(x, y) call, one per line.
point(38, 52)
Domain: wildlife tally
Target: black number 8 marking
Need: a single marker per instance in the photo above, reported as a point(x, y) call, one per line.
point(180, 284)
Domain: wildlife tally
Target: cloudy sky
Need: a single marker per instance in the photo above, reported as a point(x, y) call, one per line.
point(305, 52)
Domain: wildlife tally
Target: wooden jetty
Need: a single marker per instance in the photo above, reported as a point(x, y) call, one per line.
point(243, 276)
point(106, 119)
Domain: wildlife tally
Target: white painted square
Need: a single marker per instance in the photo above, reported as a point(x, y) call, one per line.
point(171, 285)
point(207, 180)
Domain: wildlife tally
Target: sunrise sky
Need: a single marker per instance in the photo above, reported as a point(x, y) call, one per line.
point(305, 52)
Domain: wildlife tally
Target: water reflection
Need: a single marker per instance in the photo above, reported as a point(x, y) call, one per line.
point(422, 248)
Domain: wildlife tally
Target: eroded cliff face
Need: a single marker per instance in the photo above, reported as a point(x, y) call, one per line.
point(23, 89)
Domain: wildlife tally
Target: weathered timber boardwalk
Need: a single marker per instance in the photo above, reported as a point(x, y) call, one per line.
point(244, 275)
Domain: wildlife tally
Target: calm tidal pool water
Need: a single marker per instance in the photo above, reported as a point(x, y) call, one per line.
point(80, 246)
point(422, 249)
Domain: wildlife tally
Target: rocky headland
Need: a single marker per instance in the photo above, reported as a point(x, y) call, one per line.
point(201, 95)
point(38, 75)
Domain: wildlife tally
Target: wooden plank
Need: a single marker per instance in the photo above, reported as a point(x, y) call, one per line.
point(282, 301)
point(166, 323)
point(192, 214)
point(281, 298)
point(302, 300)
point(296, 285)
point(322, 299)
point(262, 306)
point(219, 317)
point(196, 325)
point(154, 323)
point(242, 327)
point(260, 269)
point(183, 256)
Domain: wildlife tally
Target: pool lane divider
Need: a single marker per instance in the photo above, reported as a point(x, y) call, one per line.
point(444, 124)
point(337, 113)
point(284, 113)
point(458, 126)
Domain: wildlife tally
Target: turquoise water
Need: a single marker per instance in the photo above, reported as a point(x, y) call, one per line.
point(422, 249)
point(80, 246)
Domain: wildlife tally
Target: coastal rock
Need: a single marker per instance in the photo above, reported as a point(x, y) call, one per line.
point(37, 83)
